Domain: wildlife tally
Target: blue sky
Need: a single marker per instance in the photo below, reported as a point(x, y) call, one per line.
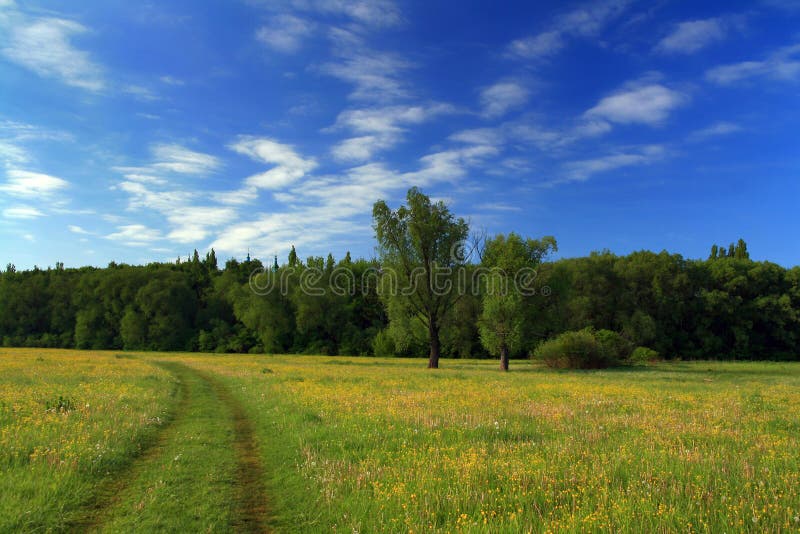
point(137, 132)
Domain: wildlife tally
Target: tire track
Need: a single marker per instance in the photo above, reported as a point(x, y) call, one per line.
point(112, 488)
point(251, 507)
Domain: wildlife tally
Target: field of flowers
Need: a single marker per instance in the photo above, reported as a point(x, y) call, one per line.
point(366, 445)
point(67, 419)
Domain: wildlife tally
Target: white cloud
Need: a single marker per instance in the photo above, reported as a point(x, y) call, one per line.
point(285, 33)
point(380, 128)
point(498, 206)
point(140, 93)
point(163, 201)
point(178, 159)
point(136, 235)
point(245, 195)
point(140, 174)
point(582, 22)
point(376, 76)
point(543, 45)
point(690, 36)
point(715, 130)
point(782, 65)
point(479, 136)
point(527, 132)
point(12, 154)
point(44, 46)
point(171, 80)
point(317, 211)
point(193, 223)
point(15, 136)
point(361, 148)
point(22, 212)
point(584, 169)
point(289, 165)
point(376, 13)
point(77, 230)
point(647, 104)
point(31, 184)
point(502, 97)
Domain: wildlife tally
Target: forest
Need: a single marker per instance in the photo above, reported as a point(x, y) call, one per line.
point(726, 306)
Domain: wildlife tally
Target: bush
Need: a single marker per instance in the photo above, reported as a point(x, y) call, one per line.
point(584, 349)
point(615, 348)
point(571, 350)
point(643, 355)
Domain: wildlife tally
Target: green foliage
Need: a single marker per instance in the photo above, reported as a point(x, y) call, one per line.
point(418, 243)
point(614, 348)
point(383, 344)
point(643, 355)
point(585, 349)
point(727, 306)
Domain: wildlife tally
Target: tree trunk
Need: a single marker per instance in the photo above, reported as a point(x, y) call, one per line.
point(433, 360)
point(503, 357)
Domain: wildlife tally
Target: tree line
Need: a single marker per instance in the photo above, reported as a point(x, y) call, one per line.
point(725, 306)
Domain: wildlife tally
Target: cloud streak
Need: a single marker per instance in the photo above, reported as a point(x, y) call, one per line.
point(690, 36)
point(45, 47)
point(648, 104)
point(781, 65)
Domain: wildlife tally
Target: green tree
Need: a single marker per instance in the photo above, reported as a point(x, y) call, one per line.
point(418, 246)
point(512, 262)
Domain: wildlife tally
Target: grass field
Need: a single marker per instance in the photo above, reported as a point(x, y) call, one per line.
point(188, 443)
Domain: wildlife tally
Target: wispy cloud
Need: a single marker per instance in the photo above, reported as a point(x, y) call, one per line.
point(285, 33)
point(782, 65)
point(502, 97)
point(584, 169)
point(140, 92)
point(375, 75)
point(171, 80)
point(715, 130)
point(135, 235)
point(498, 206)
point(22, 212)
point(45, 47)
point(374, 13)
point(77, 230)
point(179, 159)
point(690, 36)
point(637, 103)
point(194, 223)
point(31, 184)
point(288, 165)
point(381, 128)
point(318, 210)
point(538, 46)
point(582, 22)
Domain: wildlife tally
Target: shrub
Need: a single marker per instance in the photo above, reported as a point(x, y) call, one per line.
point(571, 350)
point(585, 349)
point(643, 355)
point(615, 348)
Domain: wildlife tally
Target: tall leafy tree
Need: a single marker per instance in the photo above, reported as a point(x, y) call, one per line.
point(512, 262)
point(419, 246)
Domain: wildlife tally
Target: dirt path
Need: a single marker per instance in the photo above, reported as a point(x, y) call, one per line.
point(251, 500)
point(196, 391)
point(109, 493)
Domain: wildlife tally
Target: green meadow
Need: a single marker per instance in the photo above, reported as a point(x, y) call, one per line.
point(110, 442)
